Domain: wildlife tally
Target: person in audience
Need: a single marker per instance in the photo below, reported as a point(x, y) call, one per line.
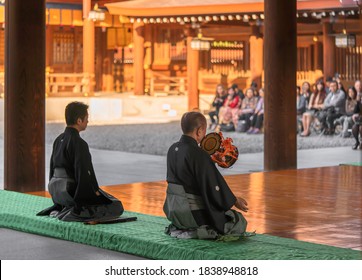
point(246, 111)
point(72, 181)
point(358, 88)
point(256, 94)
point(357, 126)
point(333, 107)
point(228, 110)
point(219, 100)
point(341, 87)
point(238, 91)
point(199, 201)
point(301, 102)
point(254, 87)
point(258, 116)
point(315, 104)
point(306, 91)
point(346, 120)
point(328, 83)
point(298, 92)
point(301, 107)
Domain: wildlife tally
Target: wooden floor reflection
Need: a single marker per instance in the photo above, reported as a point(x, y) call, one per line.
point(319, 205)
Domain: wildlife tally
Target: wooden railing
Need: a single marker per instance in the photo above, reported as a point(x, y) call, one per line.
point(348, 63)
point(164, 85)
point(209, 80)
point(69, 83)
point(308, 76)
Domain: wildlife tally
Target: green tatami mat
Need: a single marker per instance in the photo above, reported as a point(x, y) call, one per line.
point(145, 237)
point(352, 163)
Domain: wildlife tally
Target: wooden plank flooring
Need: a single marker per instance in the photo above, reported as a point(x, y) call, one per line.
point(319, 205)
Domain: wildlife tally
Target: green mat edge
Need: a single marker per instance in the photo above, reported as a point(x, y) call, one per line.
point(351, 164)
point(137, 246)
point(134, 246)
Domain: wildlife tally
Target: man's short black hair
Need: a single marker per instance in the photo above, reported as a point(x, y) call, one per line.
point(333, 82)
point(192, 120)
point(74, 111)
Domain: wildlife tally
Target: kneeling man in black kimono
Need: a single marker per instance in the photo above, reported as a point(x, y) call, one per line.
point(199, 201)
point(73, 184)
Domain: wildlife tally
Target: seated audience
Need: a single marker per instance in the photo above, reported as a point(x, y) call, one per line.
point(357, 126)
point(306, 91)
point(341, 87)
point(358, 88)
point(228, 110)
point(301, 102)
point(219, 100)
point(315, 104)
point(242, 118)
point(333, 108)
point(346, 120)
point(254, 87)
point(258, 116)
point(238, 91)
point(328, 83)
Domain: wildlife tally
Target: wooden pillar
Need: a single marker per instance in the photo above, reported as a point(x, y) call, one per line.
point(256, 55)
point(24, 137)
point(310, 66)
point(192, 74)
point(246, 56)
point(49, 46)
point(101, 52)
point(318, 56)
point(280, 41)
point(88, 42)
point(148, 45)
point(78, 40)
point(139, 58)
point(148, 57)
point(329, 65)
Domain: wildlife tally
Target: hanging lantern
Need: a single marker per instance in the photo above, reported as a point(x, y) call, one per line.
point(200, 45)
point(345, 40)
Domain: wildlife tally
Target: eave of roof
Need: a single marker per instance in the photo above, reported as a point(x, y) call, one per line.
point(151, 8)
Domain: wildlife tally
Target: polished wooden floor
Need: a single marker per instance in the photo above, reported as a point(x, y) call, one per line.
point(319, 205)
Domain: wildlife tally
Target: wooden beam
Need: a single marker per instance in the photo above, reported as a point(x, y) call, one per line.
point(206, 7)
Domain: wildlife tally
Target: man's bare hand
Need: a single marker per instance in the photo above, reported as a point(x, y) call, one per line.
point(241, 204)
